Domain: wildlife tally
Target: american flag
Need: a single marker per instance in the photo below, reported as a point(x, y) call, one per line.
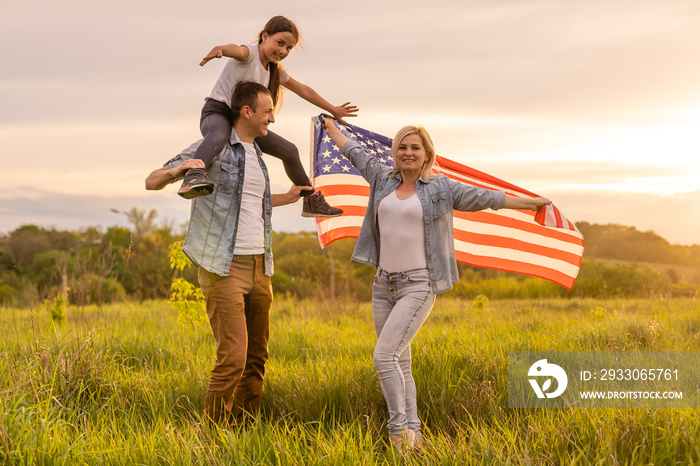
point(543, 244)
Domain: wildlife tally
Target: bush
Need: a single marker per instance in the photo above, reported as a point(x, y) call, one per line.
point(57, 308)
point(507, 287)
point(92, 289)
point(604, 279)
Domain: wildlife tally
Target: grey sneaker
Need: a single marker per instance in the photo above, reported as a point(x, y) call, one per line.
point(316, 206)
point(196, 184)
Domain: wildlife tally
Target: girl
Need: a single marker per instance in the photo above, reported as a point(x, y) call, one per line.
point(407, 234)
point(258, 63)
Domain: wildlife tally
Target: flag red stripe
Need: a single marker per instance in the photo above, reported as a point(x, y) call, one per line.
point(348, 211)
point(517, 267)
point(458, 167)
point(493, 218)
point(471, 259)
point(466, 179)
point(339, 233)
point(485, 239)
point(481, 216)
point(511, 243)
point(344, 190)
point(473, 238)
point(557, 214)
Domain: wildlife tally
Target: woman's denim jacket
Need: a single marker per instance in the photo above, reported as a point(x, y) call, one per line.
point(211, 235)
point(438, 197)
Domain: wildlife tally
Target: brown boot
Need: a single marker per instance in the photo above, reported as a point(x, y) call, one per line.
point(315, 205)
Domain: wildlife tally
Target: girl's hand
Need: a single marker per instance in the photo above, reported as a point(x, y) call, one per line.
point(216, 52)
point(346, 110)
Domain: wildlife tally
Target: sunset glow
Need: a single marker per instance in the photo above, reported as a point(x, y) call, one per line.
point(594, 104)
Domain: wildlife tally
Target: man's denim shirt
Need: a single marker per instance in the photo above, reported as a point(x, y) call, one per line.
point(211, 235)
point(438, 197)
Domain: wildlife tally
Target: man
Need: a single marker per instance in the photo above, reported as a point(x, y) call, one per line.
point(229, 239)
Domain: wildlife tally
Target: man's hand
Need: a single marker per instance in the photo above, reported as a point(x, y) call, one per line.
point(160, 178)
point(290, 197)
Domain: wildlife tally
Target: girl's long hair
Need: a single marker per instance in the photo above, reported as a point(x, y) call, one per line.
point(273, 26)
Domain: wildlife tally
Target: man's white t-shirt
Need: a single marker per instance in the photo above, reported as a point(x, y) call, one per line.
point(251, 225)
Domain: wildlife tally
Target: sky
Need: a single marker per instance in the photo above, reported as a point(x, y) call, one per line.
point(594, 104)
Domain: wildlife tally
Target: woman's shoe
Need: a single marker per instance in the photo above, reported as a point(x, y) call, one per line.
point(403, 441)
point(418, 446)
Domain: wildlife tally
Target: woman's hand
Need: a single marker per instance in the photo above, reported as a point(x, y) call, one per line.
point(525, 203)
point(334, 132)
point(539, 202)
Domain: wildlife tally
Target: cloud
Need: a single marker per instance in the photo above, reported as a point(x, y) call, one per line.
point(502, 57)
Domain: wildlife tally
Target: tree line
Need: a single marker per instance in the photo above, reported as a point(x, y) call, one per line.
point(92, 266)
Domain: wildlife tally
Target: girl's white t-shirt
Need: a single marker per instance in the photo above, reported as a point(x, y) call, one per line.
point(251, 225)
point(402, 234)
point(250, 69)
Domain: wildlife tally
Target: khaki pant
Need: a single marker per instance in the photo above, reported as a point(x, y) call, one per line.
point(239, 313)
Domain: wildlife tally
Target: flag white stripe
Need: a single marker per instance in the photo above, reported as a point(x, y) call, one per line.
point(342, 222)
point(477, 249)
point(515, 233)
point(482, 227)
point(474, 181)
point(347, 200)
point(478, 228)
point(517, 255)
point(331, 180)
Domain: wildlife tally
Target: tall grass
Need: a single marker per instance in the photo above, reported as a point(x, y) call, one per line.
point(125, 384)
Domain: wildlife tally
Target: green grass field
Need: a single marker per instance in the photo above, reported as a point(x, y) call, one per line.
point(125, 384)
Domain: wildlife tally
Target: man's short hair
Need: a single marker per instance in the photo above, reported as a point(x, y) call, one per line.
point(246, 93)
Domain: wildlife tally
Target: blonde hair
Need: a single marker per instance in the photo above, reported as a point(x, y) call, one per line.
point(427, 171)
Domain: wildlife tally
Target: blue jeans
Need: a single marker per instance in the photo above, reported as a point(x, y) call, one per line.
point(400, 304)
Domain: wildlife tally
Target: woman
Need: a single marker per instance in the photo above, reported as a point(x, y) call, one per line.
point(407, 234)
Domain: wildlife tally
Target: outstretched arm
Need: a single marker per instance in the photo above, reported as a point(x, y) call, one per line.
point(526, 203)
point(237, 52)
point(338, 138)
point(305, 92)
point(368, 165)
point(160, 178)
point(290, 197)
